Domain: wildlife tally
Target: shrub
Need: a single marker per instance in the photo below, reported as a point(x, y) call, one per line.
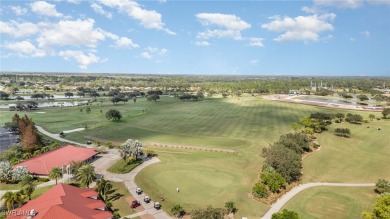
point(274, 181)
point(365, 121)
point(42, 179)
point(343, 132)
point(259, 190)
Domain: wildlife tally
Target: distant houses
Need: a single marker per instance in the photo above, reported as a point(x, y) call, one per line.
point(60, 157)
point(64, 201)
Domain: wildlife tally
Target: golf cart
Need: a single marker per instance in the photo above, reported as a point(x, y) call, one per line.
point(135, 204)
point(138, 191)
point(146, 199)
point(157, 205)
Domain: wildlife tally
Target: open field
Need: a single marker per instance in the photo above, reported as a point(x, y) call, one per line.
point(359, 159)
point(334, 202)
point(244, 124)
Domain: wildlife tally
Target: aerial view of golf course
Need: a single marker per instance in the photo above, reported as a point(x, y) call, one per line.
point(185, 109)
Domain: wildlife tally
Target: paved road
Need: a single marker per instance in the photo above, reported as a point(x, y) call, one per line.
point(103, 162)
point(282, 201)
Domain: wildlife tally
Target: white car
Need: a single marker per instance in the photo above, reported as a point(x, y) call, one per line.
point(146, 199)
point(138, 191)
point(157, 205)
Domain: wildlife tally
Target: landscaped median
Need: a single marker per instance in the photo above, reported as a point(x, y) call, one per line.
point(122, 166)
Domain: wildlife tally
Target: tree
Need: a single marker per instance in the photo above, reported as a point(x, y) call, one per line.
point(230, 207)
point(382, 186)
point(295, 126)
point(9, 200)
point(86, 174)
point(131, 148)
point(68, 94)
point(298, 142)
point(134, 99)
point(274, 181)
point(3, 95)
point(362, 97)
point(177, 210)
point(259, 190)
point(104, 188)
point(88, 109)
point(55, 173)
point(371, 117)
point(386, 112)
point(113, 114)
point(354, 118)
point(153, 97)
point(343, 132)
point(381, 209)
point(284, 160)
point(208, 213)
point(28, 185)
point(19, 197)
point(285, 214)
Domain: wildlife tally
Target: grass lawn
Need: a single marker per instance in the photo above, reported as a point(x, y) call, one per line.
point(122, 167)
point(245, 124)
point(5, 186)
point(360, 158)
point(39, 191)
point(332, 202)
point(121, 204)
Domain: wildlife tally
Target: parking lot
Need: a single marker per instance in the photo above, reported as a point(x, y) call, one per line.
point(6, 139)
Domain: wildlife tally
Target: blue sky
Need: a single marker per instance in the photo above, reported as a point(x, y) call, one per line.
point(319, 37)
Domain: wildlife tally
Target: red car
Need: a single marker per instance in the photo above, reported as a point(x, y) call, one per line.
point(135, 204)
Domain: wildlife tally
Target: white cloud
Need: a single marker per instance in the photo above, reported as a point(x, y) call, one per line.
point(99, 9)
point(151, 52)
point(19, 10)
point(162, 1)
point(77, 32)
point(202, 43)
point(340, 4)
point(125, 42)
point(306, 28)
point(146, 55)
point(366, 34)
point(379, 2)
point(256, 42)
point(25, 48)
point(74, 1)
point(230, 25)
point(17, 29)
point(84, 60)
point(254, 62)
point(44, 8)
point(149, 19)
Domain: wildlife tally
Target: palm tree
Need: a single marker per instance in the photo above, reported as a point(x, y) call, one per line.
point(55, 173)
point(86, 174)
point(19, 197)
point(104, 188)
point(9, 200)
point(28, 185)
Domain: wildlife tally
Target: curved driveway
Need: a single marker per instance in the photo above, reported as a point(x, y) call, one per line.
point(105, 161)
point(285, 198)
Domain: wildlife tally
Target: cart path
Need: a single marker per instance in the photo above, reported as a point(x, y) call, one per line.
point(285, 198)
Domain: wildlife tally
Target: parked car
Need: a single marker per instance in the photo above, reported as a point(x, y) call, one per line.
point(146, 199)
point(157, 205)
point(89, 142)
point(135, 204)
point(138, 191)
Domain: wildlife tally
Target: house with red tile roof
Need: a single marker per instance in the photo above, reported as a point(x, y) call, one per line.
point(60, 157)
point(63, 201)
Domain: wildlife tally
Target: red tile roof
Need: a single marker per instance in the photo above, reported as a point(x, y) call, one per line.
point(64, 201)
point(42, 164)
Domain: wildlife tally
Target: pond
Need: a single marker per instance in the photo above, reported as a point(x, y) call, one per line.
point(49, 104)
point(340, 102)
point(55, 97)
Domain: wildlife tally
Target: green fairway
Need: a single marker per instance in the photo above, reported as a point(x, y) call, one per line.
point(332, 202)
point(245, 125)
point(122, 167)
point(361, 158)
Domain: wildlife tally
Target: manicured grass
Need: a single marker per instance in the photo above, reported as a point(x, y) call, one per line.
point(122, 167)
point(245, 124)
point(361, 158)
point(17, 186)
point(39, 191)
point(332, 202)
point(121, 204)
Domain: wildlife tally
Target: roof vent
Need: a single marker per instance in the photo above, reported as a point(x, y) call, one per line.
point(32, 212)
